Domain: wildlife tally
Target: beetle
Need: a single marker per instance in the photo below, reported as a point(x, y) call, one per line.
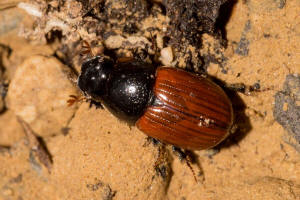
point(169, 104)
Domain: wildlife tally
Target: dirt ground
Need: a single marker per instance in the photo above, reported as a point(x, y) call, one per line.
point(49, 150)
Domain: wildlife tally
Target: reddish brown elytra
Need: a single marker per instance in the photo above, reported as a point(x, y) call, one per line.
point(190, 111)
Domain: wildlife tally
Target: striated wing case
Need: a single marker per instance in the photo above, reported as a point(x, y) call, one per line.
point(190, 111)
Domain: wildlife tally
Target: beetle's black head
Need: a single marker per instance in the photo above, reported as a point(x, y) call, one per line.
point(94, 76)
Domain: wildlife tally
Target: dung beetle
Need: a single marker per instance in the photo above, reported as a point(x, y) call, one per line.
point(171, 105)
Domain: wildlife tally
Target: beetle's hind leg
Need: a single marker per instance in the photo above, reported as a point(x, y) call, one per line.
point(188, 158)
point(181, 155)
point(162, 165)
point(154, 141)
point(247, 89)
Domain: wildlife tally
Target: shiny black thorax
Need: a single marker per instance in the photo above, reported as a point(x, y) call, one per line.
point(125, 88)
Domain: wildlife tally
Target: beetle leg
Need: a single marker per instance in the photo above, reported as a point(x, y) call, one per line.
point(154, 47)
point(178, 152)
point(246, 89)
point(154, 141)
point(161, 165)
point(140, 54)
point(95, 103)
point(73, 99)
point(186, 157)
point(87, 49)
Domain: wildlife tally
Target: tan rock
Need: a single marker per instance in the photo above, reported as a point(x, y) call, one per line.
point(10, 129)
point(38, 94)
point(166, 56)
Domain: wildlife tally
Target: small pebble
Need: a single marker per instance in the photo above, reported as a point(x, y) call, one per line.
point(166, 56)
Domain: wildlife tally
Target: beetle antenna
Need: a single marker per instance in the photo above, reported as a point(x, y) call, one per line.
point(154, 46)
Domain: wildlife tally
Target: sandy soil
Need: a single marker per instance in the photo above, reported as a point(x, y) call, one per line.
point(51, 151)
